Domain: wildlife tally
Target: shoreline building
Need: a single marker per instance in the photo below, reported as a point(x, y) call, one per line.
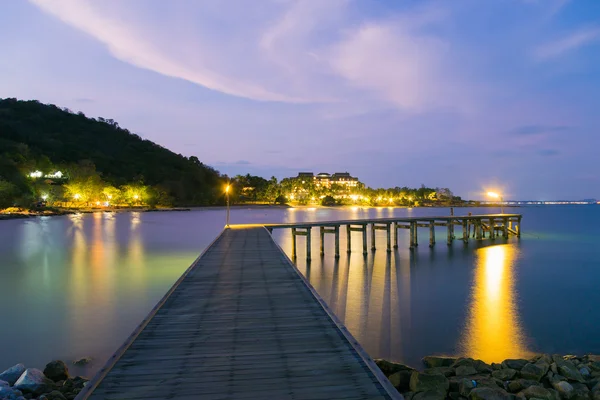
point(324, 179)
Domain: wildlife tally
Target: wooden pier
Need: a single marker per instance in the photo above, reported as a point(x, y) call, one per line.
point(475, 226)
point(242, 323)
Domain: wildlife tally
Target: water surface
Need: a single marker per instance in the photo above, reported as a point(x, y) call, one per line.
point(76, 286)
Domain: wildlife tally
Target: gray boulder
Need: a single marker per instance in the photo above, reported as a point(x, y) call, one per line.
point(585, 372)
point(429, 395)
point(431, 361)
point(533, 371)
point(4, 383)
point(446, 371)
point(506, 374)
point(569, 371)
point(514, 363)
point(401, 380)
point(465, 370)
point(12, 374)
point(580, 392)
point(564, 389)
point(33, 381)
point(423, 382)
point(489, 393)
point(520, 384)
point(538, 392)
point(56, 370)
point(6, 392)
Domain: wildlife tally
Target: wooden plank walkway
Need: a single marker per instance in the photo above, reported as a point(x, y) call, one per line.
point(241, 323)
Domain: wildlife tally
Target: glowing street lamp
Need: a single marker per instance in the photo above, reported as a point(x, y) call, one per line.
point(497, 196)
point(44, 197)
point(76, 196)
point(227, 188)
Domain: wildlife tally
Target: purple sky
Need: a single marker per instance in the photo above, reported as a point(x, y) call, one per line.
point(472, 95)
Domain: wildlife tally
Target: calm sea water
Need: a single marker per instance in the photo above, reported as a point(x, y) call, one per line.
point(76, 286)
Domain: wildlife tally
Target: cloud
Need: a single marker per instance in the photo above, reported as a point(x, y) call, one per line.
point(292, 51)
point(527, 130)
point(567, 44)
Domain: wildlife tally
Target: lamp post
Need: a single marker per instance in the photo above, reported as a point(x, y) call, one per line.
point(497, 196)
point(227, 195)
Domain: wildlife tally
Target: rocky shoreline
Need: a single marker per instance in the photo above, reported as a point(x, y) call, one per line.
point(545, 377)
point(54, 383)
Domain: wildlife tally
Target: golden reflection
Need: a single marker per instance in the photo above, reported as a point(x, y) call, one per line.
point(493, 330)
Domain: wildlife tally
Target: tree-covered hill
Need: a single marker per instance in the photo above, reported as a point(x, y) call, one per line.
point(36, 136)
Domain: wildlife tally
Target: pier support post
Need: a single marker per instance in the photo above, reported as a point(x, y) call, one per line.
point(322, 232)
point(293, 242)
point(465, 232)
point(412, 234)
point(364, 238)
point(337, 241)
point(349, 239)
point(492, 223)
point(519, 227)
point(505, 228)
point(450, 233)
point(308, 243)
point(478, 229)
point(431, 233)
point(395, 235)
point(373, 236)
point(389, 237)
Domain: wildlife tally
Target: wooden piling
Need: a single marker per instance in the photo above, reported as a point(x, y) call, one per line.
point(308, 243)
point(395, 235)
point(449, 228)
point(373, 236)
point(492, 222)
point(478, 229)
point(364, 238)
point(389, 237)
point(431, 233)
point(505, 228)
point(322, 232)
point(519, 227)
point(348, 239)
point(293, 242)
point(412, 235)
point(465, 232)
point(337, 241)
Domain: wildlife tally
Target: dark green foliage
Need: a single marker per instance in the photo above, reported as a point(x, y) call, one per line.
point(328, 201)
point(40, 136)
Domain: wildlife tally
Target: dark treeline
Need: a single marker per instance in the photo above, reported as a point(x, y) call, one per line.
point(46, 138)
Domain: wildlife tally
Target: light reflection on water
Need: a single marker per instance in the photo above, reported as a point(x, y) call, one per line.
point(77, 285)
point(493, 330)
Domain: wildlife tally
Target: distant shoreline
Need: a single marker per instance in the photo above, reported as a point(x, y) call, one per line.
point(67, 211)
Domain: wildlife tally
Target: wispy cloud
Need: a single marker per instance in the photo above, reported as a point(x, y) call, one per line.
point(527, 130)
point(567, 44)
point(289, 51)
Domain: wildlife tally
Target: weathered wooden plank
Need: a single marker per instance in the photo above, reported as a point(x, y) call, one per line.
point(242, 323)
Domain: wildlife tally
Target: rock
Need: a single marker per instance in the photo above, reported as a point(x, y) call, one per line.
point(465, 370)
point(533, 372)
point(564, 389)
point(388, 368)
point(56, 370)
point(496, 366)
point(482, 367)
point(538, 392)
point(465, 386)
point(554, 368)
point(56, 395)
point(580, 392)
point(506, 374)
point(429, 395)
point(454, 396)
point(488, 393)
point(514, 363)
point(409, 395)
point(4, 383)
point(593, 358)
point(431, 361)
point(6, 392)
point(82, 361)
point(594, 366)
point(555, 395)
point(521, 384)
point(584, 372)
point(33, 381)
point(569, 371)
point(12, 374)
point(401, 380)
point(423, 382)
point(446, 371)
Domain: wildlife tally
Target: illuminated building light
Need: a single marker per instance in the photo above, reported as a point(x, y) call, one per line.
point(76, 196)
point(35, 174)
point(44, 197)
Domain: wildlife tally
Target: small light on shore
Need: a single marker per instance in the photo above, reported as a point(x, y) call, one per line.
point(493, 194)
point(135, 197)
point(76, 196)
point(227, 188)
point(44, 197)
